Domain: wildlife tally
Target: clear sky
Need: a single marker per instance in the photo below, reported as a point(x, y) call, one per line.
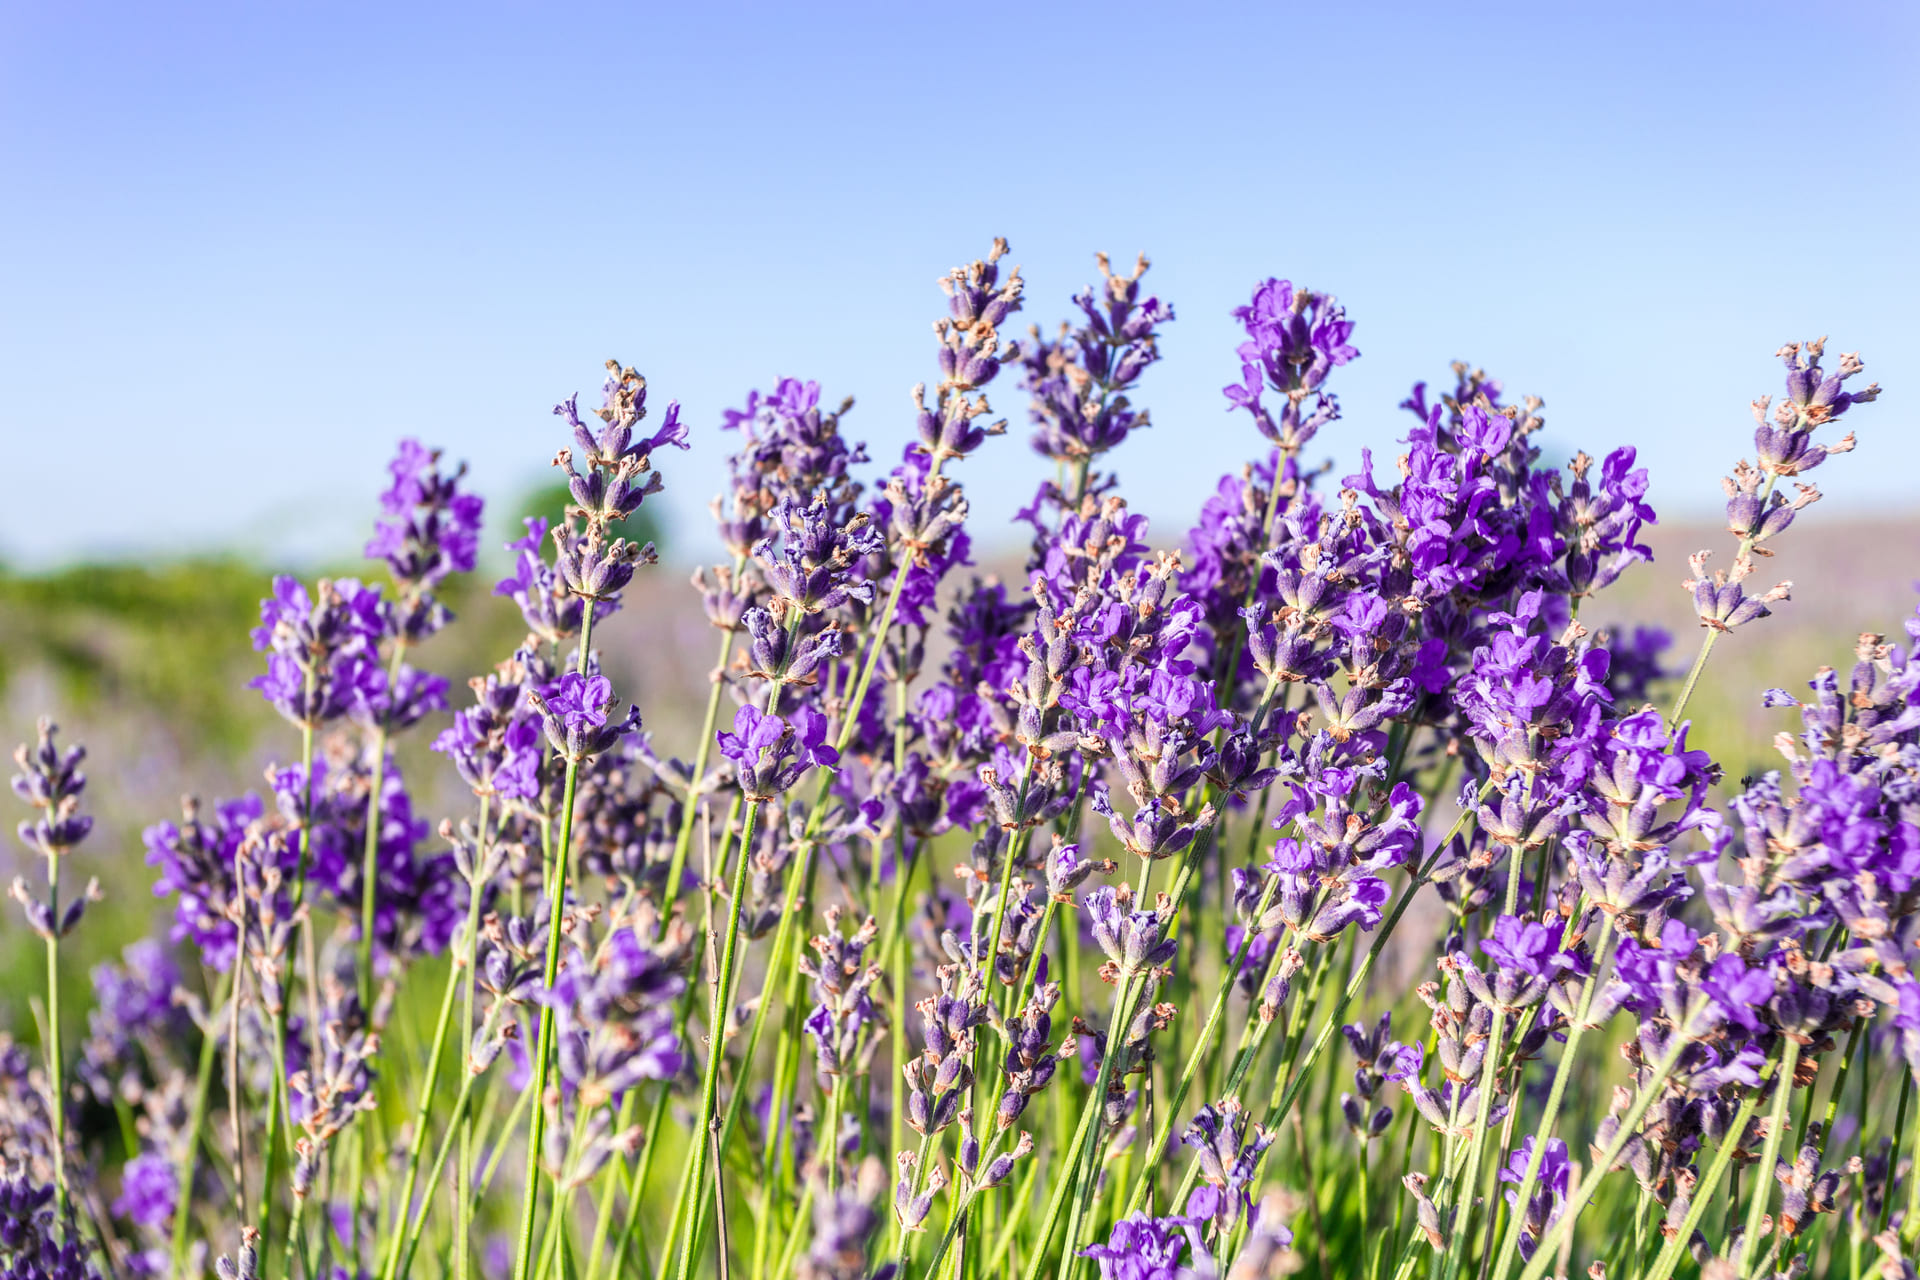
point(243, 248)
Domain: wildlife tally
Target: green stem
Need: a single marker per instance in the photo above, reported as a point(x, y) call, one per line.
point(370, 850)
point(1466, 1187)
point(1543, 1256)
point(1555, 1094)
point(1088, 1157)
point(1713, 633)
point(776, 964)
point(702, 752)
point(58, 1094)
point(716, 1031)
point(1151, 1164)
point(1061, 1187)
point(463, 1166)
point(1670, 1255)
point(1769, 1154)
point(412, 1241)
point(296, 1242)
point(603, 1219)
point(556, 892)
point(417, 1143)
point(1839, 1087)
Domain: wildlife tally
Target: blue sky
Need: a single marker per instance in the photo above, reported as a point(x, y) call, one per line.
point(246, 247)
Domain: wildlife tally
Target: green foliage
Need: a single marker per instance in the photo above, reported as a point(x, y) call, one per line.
point(169, 639)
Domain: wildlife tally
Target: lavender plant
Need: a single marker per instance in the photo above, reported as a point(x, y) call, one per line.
point(1006, 929)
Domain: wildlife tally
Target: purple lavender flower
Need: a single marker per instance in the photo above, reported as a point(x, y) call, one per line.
point(812, 560)
point(1719, 599)
point(25, 1214)
point(1147, 1248)
point(1734, 992)
point(50, 781)
point(1295, 338)
point(1814, 398)
point(323, 657)
point(195, 860)
point(770, 754)
point(133, 1015)
point(1134, 939)
point(844, 1015)
point(614, 1018)
point(1525, 947)
point(148, 1186)
point(843, 1223)
point(971, 356)
point(496, 743)
point(1229, 1150)
point(1548, 1200)
point(575, 709)
point(432, 531)
point(1079, 383)
point(1598, 523)
point(552, 613)
point(1527, 958)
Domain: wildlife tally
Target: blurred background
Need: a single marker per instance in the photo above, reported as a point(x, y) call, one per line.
point(247, 247)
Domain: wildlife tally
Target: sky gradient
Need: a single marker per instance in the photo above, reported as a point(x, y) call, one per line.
point(247, 247)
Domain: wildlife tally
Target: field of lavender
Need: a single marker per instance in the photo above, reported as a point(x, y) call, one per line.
point(1390, 875)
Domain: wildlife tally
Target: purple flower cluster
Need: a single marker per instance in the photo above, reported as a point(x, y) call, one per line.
point(1345, 730)
point(432, 530)
point(1079, 383)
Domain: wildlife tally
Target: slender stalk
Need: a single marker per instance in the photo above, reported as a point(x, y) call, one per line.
point(296, 1240)
point(412, 1241)
point(716, 1030)
point(1085, 1147)
point(1464, 1190)
point(370, 849)
point(1151, 1163)
point(783, 941)
point(1089, 1151)
point(702, 752)
point(1063, 1184)
point(603, 1219)
point(1713, 633)
point(1556, 1093)
point(1769, 1153)
point(58, 1103)
point(1543, 1255)
point(417, 1143)
point(792, 1247)
point(556, 888)
point(463, 1166)
point(280, 1101)
point(1670, 1255)
point(1839, 1087)
point(234, 1116)
point(1893, 1152)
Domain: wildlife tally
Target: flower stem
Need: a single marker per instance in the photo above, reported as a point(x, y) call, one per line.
point(1151, 1164)
point(370, 849)
point(717, 1035)
point(422, 1109)
point(463, 1166)
point(1769, 1153)
point(1555, 1094)
point(1713, 633)
point(556, 889)
point(1670, 1255)
point(57, 1102)
point(196, 1116)
point(1549, 1245)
